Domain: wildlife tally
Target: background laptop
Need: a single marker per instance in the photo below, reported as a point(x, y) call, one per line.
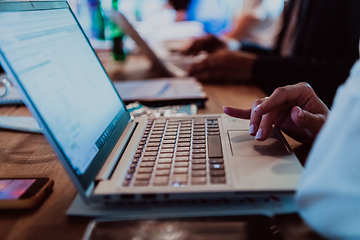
point(175, 66)
point(112, 158)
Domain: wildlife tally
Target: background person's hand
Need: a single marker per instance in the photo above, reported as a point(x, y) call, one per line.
point(224, 66)
point(295, 109)
point(209, 44)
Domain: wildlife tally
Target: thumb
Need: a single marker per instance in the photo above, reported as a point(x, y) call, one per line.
point(311, 122)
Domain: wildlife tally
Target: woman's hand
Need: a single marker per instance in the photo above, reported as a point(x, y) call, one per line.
point(295, 109)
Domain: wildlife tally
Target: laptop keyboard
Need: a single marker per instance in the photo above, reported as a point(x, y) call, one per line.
point(178, 152)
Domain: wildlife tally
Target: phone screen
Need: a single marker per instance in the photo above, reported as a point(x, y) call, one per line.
point(14, 188)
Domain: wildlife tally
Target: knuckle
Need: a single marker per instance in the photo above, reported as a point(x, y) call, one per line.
point(280, 90)
point(258, 101)
point(305, 86)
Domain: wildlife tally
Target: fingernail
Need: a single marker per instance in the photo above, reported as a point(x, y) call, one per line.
point(252, 129)
point(257, 108)
point(259, 134)
point(301, 113)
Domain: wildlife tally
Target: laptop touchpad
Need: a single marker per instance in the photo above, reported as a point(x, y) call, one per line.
point(242, 144)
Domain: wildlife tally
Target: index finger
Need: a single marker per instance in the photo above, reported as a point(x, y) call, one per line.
point(283, 95)
point(238, 113)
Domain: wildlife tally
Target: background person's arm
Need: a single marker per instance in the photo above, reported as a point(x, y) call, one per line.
point(326, 50)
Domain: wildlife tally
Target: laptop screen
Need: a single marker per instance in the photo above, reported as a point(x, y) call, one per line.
point(63, 80)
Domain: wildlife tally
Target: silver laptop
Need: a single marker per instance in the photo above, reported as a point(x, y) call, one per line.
point(173, 66)
point(112, 158)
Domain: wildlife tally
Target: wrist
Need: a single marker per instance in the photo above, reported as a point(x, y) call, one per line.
point(231, 43)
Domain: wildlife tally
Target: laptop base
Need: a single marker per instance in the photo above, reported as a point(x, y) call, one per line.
point(250, 205)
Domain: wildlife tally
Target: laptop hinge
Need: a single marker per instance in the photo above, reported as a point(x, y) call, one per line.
point(114, 157)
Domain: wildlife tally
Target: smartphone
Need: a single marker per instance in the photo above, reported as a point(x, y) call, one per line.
point(23, 193)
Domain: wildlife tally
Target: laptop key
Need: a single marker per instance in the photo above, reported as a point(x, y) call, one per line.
point(181, 164)
point(217, 166)
point(135, 160)
point(153, 144)
point(199, 138)
point(200, 150)
point(182, 154)
point(195, 167)
point(182, 170)
point(128, 176)
point(165, 172)
point(217, 173)
point(147, 164)
point(169, 137)
point(150, 154)
point(185, 144)
point(198, 161)
point(198, 141)
point(198, 146)
point(133, 165)
point(199, 156)
point(151, 149)
point(185, 136)
point(184, 132)
point(168, 146)
point(167, 150)
point(214, 133)
point(148, 159)
point(160, 181)
point(198, 173)
point(143, 176)
point(140, 183)
point(198, 180)
point(214, 146)
point(183, 149)
point(181, 159)
point(166, 155)
point(216, 160)
point(215, 180)
point(145, 170)
point(163, 166)
point(179, 179)
point(199, 133)
point(164, 160)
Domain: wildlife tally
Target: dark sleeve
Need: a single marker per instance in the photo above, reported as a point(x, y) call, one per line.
point(255, 48)
point(1, 69)
point(325, 71)
point(180, 4)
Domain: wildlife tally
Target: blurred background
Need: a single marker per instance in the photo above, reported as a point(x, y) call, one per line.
point(166, 20)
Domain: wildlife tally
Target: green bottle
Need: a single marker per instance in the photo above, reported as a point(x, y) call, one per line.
point(117, 37)
point(97, 21)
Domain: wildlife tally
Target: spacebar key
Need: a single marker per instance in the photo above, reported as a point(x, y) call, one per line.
point(214, 146)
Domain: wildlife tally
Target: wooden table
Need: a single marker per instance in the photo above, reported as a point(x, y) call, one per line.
point(25, 154)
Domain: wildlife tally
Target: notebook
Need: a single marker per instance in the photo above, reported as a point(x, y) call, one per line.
point(150, 92)
point(162, 91)
point(113, 159)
